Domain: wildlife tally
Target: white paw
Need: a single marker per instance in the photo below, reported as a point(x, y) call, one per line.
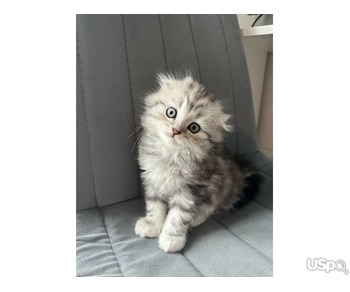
point(145, 229)
point(171, 243)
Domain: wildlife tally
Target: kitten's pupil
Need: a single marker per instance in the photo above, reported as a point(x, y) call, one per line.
point(171, 113)
point(194, 128)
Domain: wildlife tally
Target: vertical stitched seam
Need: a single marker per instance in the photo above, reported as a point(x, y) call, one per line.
point(86, 120)
point(109, 240)
point(127, 63)
point(231, 80)
point(163, 43)
point(195, 48)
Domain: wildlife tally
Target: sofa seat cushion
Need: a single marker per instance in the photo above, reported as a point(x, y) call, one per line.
point(238, 244)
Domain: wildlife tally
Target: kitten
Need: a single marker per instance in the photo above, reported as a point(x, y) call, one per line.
point(187, 173)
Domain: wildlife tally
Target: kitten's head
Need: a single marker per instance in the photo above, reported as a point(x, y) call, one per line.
point(184, 115)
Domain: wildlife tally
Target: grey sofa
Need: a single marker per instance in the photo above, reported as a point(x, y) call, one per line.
point(117, 59)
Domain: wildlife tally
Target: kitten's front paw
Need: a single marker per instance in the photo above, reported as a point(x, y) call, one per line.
point(144, 228)
point(171, 243)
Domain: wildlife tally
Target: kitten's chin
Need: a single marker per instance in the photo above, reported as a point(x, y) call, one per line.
point(173, 140)
point(170, 140)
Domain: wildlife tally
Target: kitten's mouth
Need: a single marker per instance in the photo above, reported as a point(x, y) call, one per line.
point(175, 132)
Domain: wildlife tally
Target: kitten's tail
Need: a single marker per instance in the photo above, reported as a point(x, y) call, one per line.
point(252, 182)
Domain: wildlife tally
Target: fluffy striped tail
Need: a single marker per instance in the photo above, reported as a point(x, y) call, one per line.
point(252, 183)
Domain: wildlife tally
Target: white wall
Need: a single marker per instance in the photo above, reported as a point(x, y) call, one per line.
point(259, 55)
point(265, 123)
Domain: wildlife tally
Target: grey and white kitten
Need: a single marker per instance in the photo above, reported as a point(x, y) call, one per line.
point(187, 173)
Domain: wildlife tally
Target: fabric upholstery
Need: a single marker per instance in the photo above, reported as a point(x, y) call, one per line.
point(239, 244)
point(108, 107)
point(95, 256)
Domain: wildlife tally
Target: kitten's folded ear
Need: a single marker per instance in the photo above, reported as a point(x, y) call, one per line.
point(224, 122)
point(222, 118)
point(162, 78)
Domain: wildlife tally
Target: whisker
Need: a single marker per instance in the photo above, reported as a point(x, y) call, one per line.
point(136, 140)
point(141, 137)
point(134, 132)
point(144, 139)
point(132, 149)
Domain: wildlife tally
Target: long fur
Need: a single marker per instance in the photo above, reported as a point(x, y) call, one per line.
point(187, 177)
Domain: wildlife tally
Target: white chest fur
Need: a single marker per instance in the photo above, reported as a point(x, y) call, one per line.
point(165, 179)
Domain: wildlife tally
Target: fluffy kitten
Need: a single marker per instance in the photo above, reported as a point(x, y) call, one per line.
point(187, 173)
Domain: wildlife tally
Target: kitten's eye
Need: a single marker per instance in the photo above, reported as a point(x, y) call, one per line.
point(194, 128)
point(171, 113)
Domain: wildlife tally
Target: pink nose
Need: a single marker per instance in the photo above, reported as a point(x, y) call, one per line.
point(175, 132)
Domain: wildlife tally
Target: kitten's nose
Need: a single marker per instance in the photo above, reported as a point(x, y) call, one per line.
point(175, 132)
